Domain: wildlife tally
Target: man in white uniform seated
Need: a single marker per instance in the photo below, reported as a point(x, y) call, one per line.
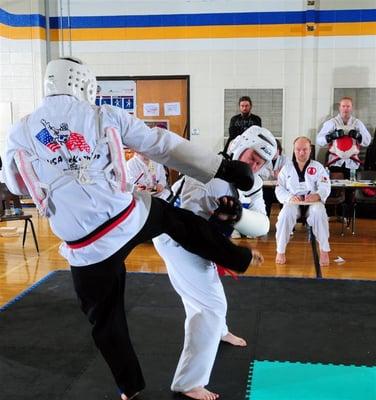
point(147, 175)
point(303, 181)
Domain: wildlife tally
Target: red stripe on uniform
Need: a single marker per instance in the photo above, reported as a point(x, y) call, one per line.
point(105, 230)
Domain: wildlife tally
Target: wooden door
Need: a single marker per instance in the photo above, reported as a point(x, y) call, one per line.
point(165, 90)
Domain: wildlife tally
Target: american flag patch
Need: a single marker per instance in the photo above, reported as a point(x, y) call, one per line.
point(45, 138)
point(77, 141)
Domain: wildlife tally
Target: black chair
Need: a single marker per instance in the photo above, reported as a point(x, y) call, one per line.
point(361, 197)
point(9, 201)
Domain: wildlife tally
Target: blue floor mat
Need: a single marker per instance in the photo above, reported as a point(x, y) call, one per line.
point(273, 380)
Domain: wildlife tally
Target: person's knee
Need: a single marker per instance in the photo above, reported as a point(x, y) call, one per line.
point(288, 214)
point(317, 212)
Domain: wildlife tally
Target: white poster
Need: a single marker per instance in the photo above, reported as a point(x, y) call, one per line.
point(172, 108)
point(151, 109)
point(118, 93)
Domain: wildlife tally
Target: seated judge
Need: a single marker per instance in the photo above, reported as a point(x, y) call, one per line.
point(302, 181)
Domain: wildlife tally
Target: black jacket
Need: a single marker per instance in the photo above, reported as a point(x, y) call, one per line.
point(239, 124)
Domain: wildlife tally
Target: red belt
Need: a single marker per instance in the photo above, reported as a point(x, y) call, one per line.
point(222, 271)
point(102, 229)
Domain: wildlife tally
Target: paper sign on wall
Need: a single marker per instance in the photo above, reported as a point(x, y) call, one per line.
point(172, 108)
point(151, 109)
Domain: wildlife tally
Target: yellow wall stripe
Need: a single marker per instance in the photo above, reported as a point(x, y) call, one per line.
point(343, 29)
point(22, 33)
point(192, 32)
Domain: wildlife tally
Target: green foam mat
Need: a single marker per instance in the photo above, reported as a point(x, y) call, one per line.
point(274, 380)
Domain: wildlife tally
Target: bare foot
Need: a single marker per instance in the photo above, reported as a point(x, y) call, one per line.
point(124, 397)
point(324, 258)
point(280, 258)
point(234, 340)
point(200, 393)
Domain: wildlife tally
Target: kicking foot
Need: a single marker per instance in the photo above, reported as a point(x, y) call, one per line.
point(280, 258)
point(200, 393)
point(234, 340)
point(324, 258)
point(124, 397)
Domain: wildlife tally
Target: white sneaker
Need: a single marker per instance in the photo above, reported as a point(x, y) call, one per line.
point(235, 234)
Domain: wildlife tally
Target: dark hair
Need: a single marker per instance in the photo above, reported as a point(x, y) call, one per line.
point(279, 146)
point(245, 98)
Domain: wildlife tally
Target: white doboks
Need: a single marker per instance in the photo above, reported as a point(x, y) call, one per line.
point(252, 223)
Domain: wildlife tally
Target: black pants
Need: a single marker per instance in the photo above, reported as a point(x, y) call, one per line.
point(100, 287)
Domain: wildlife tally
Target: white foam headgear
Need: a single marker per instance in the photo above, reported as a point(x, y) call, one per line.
point(259, 139)
point(70, 76)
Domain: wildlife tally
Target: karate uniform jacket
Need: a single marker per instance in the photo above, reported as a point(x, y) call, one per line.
point(316, 180)
point(64, 133)
point(202, 198)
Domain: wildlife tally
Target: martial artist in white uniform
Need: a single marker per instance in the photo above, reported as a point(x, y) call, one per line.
point(302, 180)
point(196, 279)
point(344, 134)
point(68, 155)
point(147, 175)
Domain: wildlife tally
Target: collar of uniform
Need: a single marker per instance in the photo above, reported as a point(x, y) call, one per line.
point(299, 172)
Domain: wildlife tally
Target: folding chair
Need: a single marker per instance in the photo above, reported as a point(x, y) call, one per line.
point(6, 199)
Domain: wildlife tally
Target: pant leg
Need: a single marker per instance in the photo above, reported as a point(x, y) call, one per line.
point(198, 236)
point(318, 219)
point(100, 289)
point(197, 282)
point(269, 199)
point(285, 224)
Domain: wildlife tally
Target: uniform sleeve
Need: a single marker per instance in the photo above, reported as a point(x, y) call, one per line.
point(166, 148)
point(281, 192)
point(16, 140)
point(323, 184)
point(254, 199)
point(366, 136)
point(321, 136)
